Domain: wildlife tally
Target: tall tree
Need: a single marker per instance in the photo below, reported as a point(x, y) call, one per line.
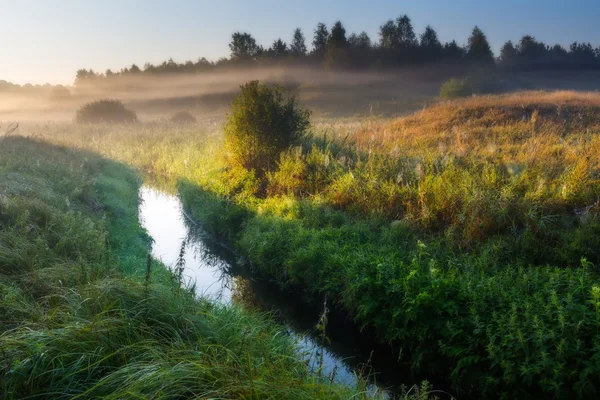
point(530, 48)
point(583, 55)
point(298, 46)
point(508, 54)
point(135, 69)
point(431, 48)
point(388, 35)
point(337, 37)
point(243, 47)
point(479, 50)
point(398, 42)
point(361, 40)
point(278, 49)
point(405, 32)
point(453, 52)
point(337, 47)
point(320, 39)
point(360, 50)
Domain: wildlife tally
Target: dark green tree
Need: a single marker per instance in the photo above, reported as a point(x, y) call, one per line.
point(320, 39)
point(243, 47)
point(388, 35)
point(279, 49)
point(508, 55)
point(337, 37)
point(360, 50)
point(431, 48)
point(337, 47)
point(582, 55)
point(479, 50)
point(406, 33)
point(298, 46)
point(398, 42)
point(362, 40)
point(453, 52)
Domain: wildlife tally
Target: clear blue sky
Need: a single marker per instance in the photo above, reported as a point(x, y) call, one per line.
point(48, 40)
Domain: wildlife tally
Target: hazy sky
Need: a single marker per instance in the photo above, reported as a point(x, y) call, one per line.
point(48, 40)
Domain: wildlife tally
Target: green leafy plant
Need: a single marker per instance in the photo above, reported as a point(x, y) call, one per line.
point(263, 122)
point(455, 88)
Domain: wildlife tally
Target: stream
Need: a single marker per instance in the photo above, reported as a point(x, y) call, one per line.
point(212, 271)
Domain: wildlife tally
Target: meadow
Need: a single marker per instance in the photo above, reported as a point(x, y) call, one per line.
point(85, 312)
point(465, 235)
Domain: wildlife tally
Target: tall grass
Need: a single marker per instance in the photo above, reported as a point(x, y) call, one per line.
point(84, 312)
point(467, 234)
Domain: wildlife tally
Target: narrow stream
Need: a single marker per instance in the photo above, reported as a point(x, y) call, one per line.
point(211, 270)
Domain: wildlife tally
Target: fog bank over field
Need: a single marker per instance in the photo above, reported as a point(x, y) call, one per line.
point(326, 93)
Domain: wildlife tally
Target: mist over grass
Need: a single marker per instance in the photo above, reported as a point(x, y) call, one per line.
point(329, 94)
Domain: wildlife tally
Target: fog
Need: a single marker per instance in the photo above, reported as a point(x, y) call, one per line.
point(208, 95)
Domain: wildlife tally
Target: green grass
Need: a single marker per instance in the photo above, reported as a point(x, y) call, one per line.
point(77, 319)
point(467, 234)
point(476, 258)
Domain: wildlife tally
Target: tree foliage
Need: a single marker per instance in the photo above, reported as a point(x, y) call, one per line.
point(337, 47)
point(479, 50)
point(279, 49)
point(263, 122)
point(320, 39)
point(298, 45)
point(243, 47)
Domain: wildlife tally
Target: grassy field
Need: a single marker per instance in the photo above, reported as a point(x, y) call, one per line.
point(85, 313)
point(466, 234)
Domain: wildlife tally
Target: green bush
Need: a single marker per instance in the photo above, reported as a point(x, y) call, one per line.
point(455, 88)
point(263, 122)
point(183, 117)
point(105, 111)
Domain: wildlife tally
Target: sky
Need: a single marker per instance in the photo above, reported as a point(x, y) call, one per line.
point(49, 40)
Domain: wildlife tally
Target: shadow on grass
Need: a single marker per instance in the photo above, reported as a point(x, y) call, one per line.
point(453, 318)
point(220, 226)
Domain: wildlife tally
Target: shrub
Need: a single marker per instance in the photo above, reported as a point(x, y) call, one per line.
point(105, 111)
point(183, 117)
point(455, 88)
point(263, 122)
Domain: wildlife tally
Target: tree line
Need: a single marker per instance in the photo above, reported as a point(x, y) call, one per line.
point(398, 45)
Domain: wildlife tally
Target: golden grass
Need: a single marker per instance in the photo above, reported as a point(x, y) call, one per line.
point(545, 129)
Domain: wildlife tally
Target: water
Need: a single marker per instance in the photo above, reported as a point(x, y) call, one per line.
point(211, 270)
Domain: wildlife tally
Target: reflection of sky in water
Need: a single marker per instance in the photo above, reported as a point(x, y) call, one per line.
point(162, 216)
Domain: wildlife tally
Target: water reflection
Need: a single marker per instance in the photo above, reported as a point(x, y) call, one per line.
point(162, 216)
point(212, 271)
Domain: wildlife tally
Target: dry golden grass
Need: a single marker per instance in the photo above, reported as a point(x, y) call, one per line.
point(535, 128)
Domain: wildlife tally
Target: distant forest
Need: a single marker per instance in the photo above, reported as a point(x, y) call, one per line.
point(398, 46)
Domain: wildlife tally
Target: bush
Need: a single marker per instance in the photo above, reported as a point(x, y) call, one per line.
point(263, 122)
point(183, 117)
point(455, 88)
point(105, 111)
